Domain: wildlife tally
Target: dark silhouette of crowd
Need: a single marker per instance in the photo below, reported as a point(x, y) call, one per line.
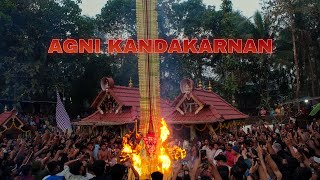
point(280, 151)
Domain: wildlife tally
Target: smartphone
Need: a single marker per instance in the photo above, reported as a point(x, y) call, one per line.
point(203, 156)
point(184, 163)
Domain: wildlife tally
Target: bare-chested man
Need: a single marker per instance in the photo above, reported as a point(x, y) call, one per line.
point(103, 153)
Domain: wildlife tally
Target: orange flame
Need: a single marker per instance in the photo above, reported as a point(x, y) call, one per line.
point(164, 131)
point(165, 155)
point(164, 159)
point(178, 153)
point(127, 152)
point(137, 163)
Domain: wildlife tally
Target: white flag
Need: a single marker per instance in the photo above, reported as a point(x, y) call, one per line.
point(62, 117)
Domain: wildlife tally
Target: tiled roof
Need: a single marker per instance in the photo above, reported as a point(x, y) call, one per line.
point(125, 117)
point(5, 116)
point(215, 108)
point(108, 119)
point(219, 104)
point(125, 95)
point(206, 115)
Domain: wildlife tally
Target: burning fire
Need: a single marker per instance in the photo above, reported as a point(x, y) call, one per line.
point(178, 153)
point(164, 159)
point(137, 163)
point(164, 156)
point(128, 153)
point(164, 131)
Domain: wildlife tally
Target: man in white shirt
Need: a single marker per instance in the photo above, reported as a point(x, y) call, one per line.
point(205, 145)
point(53, 168)
point(74, 170)
point(232, 139)
point(210, 151)
point(217, 150)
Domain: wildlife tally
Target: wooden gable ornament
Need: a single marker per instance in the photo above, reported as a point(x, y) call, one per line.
point(109, 102)
point(186, 87)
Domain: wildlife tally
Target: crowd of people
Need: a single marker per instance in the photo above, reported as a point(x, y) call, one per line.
point(283, 151)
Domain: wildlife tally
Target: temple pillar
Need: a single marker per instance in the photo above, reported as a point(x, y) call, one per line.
point(193, 133)
point(122, 131)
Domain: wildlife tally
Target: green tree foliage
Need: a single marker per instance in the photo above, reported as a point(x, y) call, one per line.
point(27, 72)
point(226, 6)
point(296, 25)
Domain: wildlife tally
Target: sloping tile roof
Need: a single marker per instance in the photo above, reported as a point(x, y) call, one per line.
point(204, 116)
point(125, 95)
point(108, 119)
point(215, 109)
point(5, 116)
point(125, 117)
point(226, 110)
point(128, 96)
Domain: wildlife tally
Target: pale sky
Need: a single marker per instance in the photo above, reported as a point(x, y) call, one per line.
point(247, 7)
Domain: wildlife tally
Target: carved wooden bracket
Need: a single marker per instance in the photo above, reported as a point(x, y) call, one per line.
point(189, 96)
point(199, 109)
point(199, 103)
point(119, 108)
point(100, 110)
point(180, 102)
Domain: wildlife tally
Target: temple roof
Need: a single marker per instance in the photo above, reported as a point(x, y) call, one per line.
point(9, 120)
point(129, 115)
point(208, 107)
point(6, 115)
point(125, 95)
point(215, 109)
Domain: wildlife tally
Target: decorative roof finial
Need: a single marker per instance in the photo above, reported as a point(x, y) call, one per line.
point(5, 108)
point(200, 84)
point(210, 87)
point(130, 82)
point(233, 100)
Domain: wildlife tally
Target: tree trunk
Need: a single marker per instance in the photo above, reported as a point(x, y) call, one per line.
point(311, 75)
point(296, 64)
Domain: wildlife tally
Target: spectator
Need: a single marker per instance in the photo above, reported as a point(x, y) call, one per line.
point(157, 175)
point(26, 173)
point(118, 171)
point(53, 169)
point(98, 169)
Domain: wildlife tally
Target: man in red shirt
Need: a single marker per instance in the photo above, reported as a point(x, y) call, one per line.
point(229, 155)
